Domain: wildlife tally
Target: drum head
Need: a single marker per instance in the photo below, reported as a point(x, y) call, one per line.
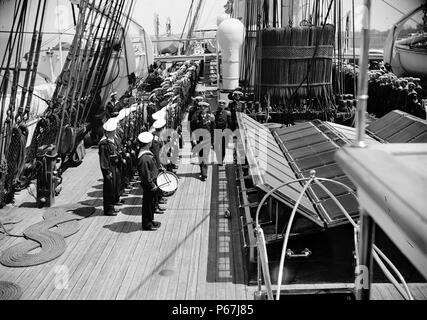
point(167, 182)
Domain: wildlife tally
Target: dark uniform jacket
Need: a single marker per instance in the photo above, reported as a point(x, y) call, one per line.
point(148, 170)
point(107, 154)
point(192, 119)
point(222, 119)
point(235, 106)
point(112, 109)
point(156, 148)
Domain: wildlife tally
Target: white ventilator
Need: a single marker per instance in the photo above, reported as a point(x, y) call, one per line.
point(230, 36)
point(221, 19)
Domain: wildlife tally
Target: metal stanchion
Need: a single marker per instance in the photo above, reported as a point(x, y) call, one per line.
point(367, 233)
point(367, 239)
point(363, 78)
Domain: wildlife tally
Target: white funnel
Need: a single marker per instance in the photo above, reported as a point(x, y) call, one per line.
point(230, 36)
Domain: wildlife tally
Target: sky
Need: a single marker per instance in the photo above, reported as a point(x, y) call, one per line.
point(383, 14)
point(177, 10)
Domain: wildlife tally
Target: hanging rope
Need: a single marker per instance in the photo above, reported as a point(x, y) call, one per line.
point(296, 63)
point(7, 133)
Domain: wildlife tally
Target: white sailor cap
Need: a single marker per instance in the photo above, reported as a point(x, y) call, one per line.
point(110, 126)
point(198, 98)
point(159, 124)
point(204, 104)
point(171, 107)
point(159, 115)
point(121, 116)
point(146, 137)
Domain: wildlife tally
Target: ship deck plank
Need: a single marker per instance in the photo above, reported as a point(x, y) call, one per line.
point(203, 289)
point(161, 267)
point(385, 291)
point(196, 254)
point(175, 263)
point(192, 283)
point(188, 232)
point(189, 257)
point(176, 222)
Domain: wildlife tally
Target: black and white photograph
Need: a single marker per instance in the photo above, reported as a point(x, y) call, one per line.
point(213, 154)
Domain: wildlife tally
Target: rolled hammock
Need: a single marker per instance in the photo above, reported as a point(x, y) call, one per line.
point(296, 63)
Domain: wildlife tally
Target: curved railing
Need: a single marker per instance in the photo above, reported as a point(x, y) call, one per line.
point(378, 255)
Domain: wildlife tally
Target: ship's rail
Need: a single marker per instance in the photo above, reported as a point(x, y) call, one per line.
point(376, 253)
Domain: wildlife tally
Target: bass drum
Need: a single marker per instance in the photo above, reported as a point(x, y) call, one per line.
point(168, 183)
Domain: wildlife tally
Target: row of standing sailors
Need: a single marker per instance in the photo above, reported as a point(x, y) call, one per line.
point(120, 163)
point(119, 170)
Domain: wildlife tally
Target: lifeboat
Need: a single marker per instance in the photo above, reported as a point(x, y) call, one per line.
point(407, 57)
point(411, 56)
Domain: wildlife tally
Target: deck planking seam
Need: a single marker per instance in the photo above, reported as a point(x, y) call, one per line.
point(27, 279)
point(181, 285)
point(170, 262)
point(173, 282)
point(203, 287)
point(193, 271)
point(68, 255)
point(119, 265)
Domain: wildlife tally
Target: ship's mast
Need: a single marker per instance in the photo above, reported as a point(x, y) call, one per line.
point(194, 24)
point(168, 27)
point(157, 31)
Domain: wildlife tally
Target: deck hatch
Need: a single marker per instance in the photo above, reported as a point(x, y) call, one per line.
point(317, 152)
point(269, 168)
point(399, 127)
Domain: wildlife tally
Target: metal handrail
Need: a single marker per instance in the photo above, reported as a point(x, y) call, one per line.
point(261, 244)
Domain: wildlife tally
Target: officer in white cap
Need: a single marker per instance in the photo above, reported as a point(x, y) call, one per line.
point(108, 158)
point(235, 106)
point(222, 122)
point(191, 115)
point(205, 121)
point(148, 173)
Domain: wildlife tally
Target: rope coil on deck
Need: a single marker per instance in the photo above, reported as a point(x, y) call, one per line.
point(7, 225)
point(52, 243)
point(9, 291)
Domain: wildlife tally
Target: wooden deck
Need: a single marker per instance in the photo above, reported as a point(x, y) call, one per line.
point(195, 255)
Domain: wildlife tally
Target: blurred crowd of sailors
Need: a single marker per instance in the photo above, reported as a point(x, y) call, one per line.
point(143, 135)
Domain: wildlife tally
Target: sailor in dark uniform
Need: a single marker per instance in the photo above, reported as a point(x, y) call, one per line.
point(111, 109)
point(109, 160)
point(156, 148)
point(206, 121)
point(191, 119)
point(222, 122)
point(148, 173)
point(235, 106)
